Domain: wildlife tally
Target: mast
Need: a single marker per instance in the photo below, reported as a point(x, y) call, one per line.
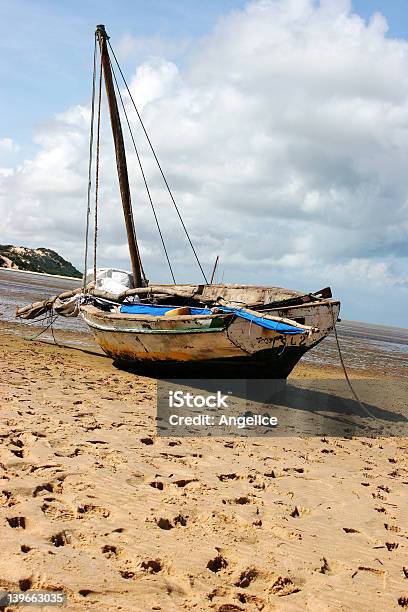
point(121, 164)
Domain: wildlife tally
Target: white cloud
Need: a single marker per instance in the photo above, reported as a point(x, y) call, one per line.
point(6, 144)
point(284, 136)
point(8, 149)
point(152, 81)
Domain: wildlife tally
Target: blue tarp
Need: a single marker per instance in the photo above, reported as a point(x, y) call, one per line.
point(150, 309)
point(157, 311)
point(283, 328)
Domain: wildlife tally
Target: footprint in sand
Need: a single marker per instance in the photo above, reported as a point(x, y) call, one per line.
point(48, 470)
point(378, 496)
point(25, 584)
point(247, 577)
point(77, 483)
point(283, 586)
point(253, 600)
point(299, 511)
point(241, 501)
point(47, 487)
point(89, 511)
point(7, 499)
point(226, 477)
point(62, 538)
point(127, 574)
point(152, 566)
point(17, 522)
point(393, 528)
point(111, 552)
point(126, 568)
point(168, 524)
point(25, 549)
point(157, 484)
point(294, 470)
point(217, 564)
point(57, 510)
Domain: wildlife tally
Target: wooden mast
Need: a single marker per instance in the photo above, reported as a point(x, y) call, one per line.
point(121, 164)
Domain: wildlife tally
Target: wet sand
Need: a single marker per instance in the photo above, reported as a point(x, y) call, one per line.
point(93, 502)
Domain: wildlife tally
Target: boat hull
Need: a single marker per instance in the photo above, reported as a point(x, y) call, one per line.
point(207, 345)
point(272, 364)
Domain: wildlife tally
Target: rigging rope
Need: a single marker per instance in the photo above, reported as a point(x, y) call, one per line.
point(88, 207)
point(98, 135)
point(143, 174)
point(158, 164)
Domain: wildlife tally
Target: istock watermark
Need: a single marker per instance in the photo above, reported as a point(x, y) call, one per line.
point(298, 407)
point(181, 399)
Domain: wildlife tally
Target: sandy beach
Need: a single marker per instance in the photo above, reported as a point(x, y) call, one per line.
point(94, 503)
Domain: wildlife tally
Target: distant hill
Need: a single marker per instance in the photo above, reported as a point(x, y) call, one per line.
point(36, 260)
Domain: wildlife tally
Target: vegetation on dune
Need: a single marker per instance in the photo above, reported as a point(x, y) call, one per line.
point(36, 260)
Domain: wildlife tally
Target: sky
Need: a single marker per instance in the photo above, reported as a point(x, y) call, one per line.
point(282, 126)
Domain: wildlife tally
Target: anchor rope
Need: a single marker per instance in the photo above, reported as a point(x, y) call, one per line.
point(343, 365)
point(51, 318)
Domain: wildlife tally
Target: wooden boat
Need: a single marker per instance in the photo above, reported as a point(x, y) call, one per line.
point(218, 342)
point(220, 330)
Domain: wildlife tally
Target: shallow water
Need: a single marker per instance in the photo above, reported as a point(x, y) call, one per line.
point(364, 346)
point(22, 288)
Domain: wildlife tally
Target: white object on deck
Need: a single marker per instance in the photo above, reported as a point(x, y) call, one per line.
point(112, 280)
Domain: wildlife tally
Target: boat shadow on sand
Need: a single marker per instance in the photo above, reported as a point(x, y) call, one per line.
point(326, 399)
point(302, 407)
point(330, 411)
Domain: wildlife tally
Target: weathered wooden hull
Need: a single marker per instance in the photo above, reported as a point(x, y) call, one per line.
point(210, 344)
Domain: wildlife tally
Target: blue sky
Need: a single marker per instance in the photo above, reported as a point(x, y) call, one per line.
point(46, 46)
point(394, 10)
point(299, 155)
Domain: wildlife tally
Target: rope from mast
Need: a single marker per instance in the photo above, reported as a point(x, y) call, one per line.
point(107, 69)
point(143, 174)
point(88, 206)
point(98, 139)
point(158, 164)
point(139, 279)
